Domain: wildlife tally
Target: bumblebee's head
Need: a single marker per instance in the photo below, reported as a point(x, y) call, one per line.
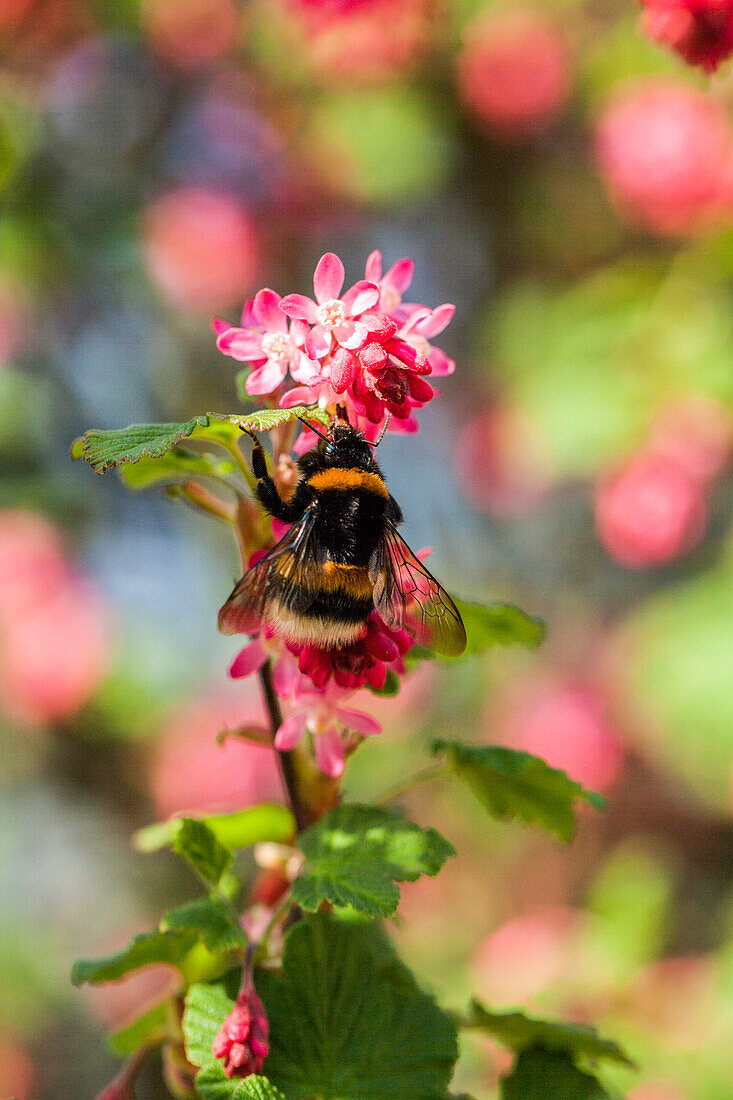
point(345, 446)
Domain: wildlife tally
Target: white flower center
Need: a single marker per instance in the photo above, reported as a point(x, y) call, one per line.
point(279, 346)
point(331, 314)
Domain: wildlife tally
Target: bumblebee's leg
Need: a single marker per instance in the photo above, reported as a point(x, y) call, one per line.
point(267, 494)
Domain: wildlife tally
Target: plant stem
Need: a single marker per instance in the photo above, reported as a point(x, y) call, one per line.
point(425, 775)
point(286, 760)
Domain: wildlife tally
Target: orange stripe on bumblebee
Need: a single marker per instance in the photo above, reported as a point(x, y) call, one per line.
point(332, 576)
point(338, 478)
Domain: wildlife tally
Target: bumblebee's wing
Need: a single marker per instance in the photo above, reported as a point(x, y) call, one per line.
point(407, 594)
point(282, 572)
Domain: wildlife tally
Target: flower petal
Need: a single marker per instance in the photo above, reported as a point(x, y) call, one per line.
point(360, 296)
point(440, 363)
point(351, 335)
point(266, 379)
point(284, 674)
point(299, 308)
point(373, 269)
point(248, 660)
point(328, 277)
point(241, 344)
point(317, 342)
point(330, 752)
point(343, 369)
point(219, 325)
point(307, 371)
point(359, 722)
point(306, 441)
point(291, 731)
point(299, 395)
point(436, 321)
point(266, 308)
point(400, 274)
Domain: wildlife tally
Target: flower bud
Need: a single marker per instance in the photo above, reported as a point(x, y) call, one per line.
point(241, 1042)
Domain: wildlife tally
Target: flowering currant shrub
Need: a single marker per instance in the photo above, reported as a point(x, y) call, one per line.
point(288, 985)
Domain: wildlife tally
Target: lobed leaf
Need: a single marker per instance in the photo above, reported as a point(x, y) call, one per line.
point(541, 1074)
point(499, 624)
point(513, 784)
point(196, 843)
point(147, 948)
point(213, 1084)
point(347, 1021)
point(519, 1032)
point(355, 855)
point(211, 921)
point(103, 449)
point(233, 831)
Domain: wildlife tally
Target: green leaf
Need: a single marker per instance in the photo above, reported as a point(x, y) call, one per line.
point(213, 1084)
point(519, 1032)
point(210, 920)
point(499, 624)
point(347, 1020)
point(233, 830)
point(176, 465)
point(103, 449)
point(149, 947)
point(149, 1027)
point(195, 842)
point(512, 784)
point(355, 854)
point(545, 1075)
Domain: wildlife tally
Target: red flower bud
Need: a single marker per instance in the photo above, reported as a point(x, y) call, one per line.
point(241, 1042)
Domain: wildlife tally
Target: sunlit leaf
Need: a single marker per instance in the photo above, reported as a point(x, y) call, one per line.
point(233, 831)
point(513, 784)
point(147, 948)
point(210, 920)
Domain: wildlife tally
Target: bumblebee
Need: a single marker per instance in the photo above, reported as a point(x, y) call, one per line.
point(341, 558)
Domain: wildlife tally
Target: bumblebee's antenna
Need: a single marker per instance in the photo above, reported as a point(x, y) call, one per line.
point(380, 437)
point(312, 429)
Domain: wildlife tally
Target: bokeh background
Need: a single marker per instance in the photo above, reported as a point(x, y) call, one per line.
point(569, 186)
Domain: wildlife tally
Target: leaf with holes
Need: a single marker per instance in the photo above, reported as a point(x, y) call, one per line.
point(355, 855)
point(512, 784)
point(210, 920)
point(103, 449)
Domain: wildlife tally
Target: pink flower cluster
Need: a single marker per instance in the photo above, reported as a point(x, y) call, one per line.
point(318, 681)
point(701, 31)
point(364, 348)
point(241, 1041)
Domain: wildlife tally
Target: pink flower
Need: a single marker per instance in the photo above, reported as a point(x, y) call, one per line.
point(392, 285)
point(253, 656)
point(333, 318)
point(649, 511)
point(241, 1042)
point(319, 714)
point(514, 72)
point(266, 340)
point(364, 662)
point(664, 151)
point(701, 31)
point(417, 331)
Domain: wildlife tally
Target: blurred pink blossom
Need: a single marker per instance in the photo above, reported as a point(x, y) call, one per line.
point(701, 31)
point(649, 510)
point(17, 1076)
point(190, 34)
point(191, 772)
point(696, 433)
point(562, 721)
point(53, 626)
point(514, 72)
point(526, 955)
point(201, 247)
point(664, 149)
